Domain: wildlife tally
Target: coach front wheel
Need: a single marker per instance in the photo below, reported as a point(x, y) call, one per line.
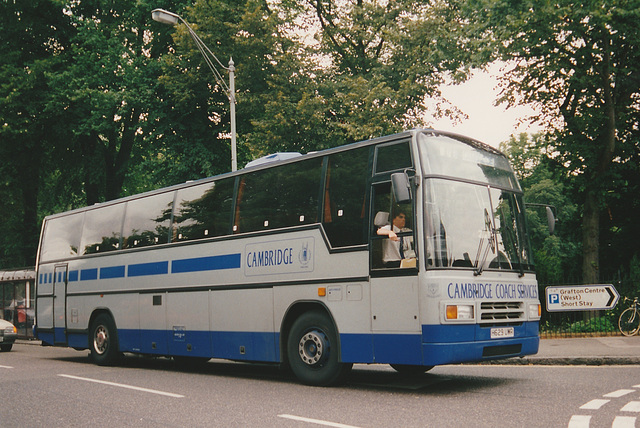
point(103, 341)
point(312, 349)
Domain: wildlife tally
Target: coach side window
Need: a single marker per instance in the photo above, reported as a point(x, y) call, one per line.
point(283, 196)
point(61, 237)
point(344, 197)
point(147, 220)
point(393, 157)
point(203, 211)
point(101, 231)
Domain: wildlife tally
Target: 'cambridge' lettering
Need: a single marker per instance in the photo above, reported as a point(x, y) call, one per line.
point(469, 291)
point(281, 256)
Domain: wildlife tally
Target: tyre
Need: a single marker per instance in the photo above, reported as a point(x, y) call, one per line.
point(103, 341)
point(313, 350)
point(629, 322)
point(6, 348)
point(410, 369)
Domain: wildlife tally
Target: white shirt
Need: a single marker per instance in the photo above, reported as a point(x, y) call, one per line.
point(391, 248)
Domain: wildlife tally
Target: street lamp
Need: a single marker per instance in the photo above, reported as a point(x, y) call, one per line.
point(166, 17)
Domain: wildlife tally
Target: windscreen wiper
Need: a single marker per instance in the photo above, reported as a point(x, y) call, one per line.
point(488, 227)
point(512, 239)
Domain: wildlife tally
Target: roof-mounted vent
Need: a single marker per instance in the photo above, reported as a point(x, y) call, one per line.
point(272, 158)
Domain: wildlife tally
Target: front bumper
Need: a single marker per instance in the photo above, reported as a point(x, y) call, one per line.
point(7, 339)
point(453, 344)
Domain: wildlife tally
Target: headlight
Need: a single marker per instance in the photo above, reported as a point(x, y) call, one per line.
point(459, 313)
point(535, 311)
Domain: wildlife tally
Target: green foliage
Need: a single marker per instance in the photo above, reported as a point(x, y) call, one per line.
point(97, 101)
point(557, 257)
point(607, 323)
point(582, 322)
point(603, 324)
point(34, 35)
point(369, 73)
point(577, 64)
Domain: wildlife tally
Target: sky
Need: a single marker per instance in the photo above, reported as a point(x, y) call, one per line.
point(485, 122)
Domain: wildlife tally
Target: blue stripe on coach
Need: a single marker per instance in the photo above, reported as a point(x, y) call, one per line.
point(198, 264)
point(145, 269)
point(112, 272)
point(88, 274)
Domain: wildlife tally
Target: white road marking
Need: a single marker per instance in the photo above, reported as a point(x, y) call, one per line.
point(624, 422)
point(316, 421)
point(6, 367)
point(582, 421)
point(594, 404)
point(631, 406)
point(579, 421)
point(619, 393)
point(120, 385)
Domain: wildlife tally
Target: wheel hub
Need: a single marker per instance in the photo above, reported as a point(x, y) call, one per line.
point(313, 348)
point(100, 341)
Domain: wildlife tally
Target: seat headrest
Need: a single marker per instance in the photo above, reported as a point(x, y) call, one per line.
point(381, 219)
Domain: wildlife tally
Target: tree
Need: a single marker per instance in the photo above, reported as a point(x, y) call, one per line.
point(544, 182)
point(34, 36)
point(379, 61)
point(368, 73)
point(579, 64)
point(108, 92)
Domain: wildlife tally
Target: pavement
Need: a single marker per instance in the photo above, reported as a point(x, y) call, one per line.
point(590, 351)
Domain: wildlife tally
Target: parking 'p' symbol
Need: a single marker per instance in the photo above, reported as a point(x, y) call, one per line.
point(554, 299)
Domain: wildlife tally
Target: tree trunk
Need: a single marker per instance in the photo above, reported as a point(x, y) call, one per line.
point(28, 180)
point(593, 197)
point(91, 160)
point(590, 237)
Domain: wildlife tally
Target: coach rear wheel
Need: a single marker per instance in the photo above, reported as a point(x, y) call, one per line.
point(312, 349)
point(103, 341)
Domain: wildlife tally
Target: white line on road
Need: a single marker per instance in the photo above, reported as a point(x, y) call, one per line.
point(579, 421)
point(619, 393)
point(632, 406)
point(316, 421)
point(594, 404)
point(120, 385)
point(6, 367)
point(624, 422)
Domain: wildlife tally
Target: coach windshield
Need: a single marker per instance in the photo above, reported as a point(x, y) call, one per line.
point(474, 213)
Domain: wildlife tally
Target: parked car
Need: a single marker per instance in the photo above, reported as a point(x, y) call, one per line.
point(8, 335)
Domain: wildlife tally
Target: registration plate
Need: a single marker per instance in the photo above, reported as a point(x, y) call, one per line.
point(502, 332)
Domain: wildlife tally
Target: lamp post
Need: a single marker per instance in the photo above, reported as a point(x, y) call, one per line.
point(166, 17)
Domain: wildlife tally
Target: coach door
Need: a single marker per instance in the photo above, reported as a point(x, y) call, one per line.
point(60, 304)
point(395, 309)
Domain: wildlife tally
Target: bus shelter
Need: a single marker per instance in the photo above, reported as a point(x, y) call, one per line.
point(17, 299)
